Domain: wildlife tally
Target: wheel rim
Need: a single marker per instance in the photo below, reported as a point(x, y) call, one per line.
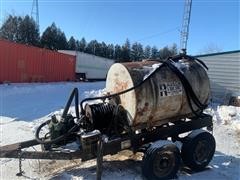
point(163, 164)
point(202, 152)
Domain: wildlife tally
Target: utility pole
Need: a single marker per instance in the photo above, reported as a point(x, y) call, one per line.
point(35, 12)
point(185, 26)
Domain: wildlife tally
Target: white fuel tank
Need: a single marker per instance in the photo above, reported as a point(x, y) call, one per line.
point(162, 97)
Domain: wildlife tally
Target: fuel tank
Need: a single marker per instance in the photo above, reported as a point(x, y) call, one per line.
point(161, 98)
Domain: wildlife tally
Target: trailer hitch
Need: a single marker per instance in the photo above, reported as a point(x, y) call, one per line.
point(20, 173)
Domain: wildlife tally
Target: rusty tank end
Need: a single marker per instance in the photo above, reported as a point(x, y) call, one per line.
point(161, 98)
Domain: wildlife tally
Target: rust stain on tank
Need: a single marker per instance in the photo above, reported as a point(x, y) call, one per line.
point(142, 111)
point(139, 112)
point(139, 64)
point(150, 121)
point(120, 86)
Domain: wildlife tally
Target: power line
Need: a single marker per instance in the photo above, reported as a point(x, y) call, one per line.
point(158, 34)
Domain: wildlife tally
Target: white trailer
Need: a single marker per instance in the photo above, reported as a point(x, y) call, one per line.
point(89, 66)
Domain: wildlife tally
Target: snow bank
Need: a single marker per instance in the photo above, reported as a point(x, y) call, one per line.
point(226, 115)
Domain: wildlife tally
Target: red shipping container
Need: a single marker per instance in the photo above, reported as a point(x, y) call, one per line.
point(23, 63)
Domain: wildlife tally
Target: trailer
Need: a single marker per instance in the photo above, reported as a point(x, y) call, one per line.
point(156, 140)
point(21, 63)
point(88, 66)
point(120, 122)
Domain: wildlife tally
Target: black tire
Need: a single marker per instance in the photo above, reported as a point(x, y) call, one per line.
point(198, 149)
point(161, 161)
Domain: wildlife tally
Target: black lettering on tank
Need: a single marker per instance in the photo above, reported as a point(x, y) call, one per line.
point(170, 89)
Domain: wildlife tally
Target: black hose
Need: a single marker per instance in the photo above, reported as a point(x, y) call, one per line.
point(53, 141)
point(190, 94)
point(177, 57)
point(65, 111)
point(188, 88)
point(69, 102)
point(185, 83)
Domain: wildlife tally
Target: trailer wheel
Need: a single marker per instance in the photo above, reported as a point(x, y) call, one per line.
point(161, 161)
point(198, 149)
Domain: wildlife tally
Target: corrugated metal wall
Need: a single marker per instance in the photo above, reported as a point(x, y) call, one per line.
point(224, 73)
point(22, 63)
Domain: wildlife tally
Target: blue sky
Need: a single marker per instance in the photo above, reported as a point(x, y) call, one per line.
point(153, 22)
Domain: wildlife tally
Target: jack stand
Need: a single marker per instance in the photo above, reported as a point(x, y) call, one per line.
point(20, 173)
point(99, 157)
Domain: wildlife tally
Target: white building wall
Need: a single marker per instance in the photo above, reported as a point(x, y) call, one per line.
point(224, 73)
point(94, 67)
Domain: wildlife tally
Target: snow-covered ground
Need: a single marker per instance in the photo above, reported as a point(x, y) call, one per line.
point(31, 101)
point(24, 106)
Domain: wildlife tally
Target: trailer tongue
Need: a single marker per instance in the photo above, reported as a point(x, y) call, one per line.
point(148, 106)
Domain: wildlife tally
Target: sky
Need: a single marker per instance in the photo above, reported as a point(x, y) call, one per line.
point(213, 23)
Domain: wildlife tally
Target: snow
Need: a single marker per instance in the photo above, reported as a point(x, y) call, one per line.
point(24, 106)
point(151, 69)
point(182, 65)
point(226, 115)
point(31, 101)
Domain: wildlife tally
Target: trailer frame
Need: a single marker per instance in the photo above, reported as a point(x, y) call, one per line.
point(111, 146)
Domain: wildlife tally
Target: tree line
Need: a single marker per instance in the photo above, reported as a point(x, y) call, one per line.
point(25, 30)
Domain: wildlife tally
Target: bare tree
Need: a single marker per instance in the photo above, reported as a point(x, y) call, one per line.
point(210, 48)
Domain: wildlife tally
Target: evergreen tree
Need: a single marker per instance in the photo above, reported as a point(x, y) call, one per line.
point(104, 50)
point(110, 51)
point(137, 52)
point(126, 50)
point(147, 52)
point(72, 44)
point(98, 49)
point(117, 52)
point(49, 37)
point(164, 53)
point(154, 52)
point(21, 30)
point(77, 45)
point(82, 45)
point(167, 52)
point(29, 32)
point(140, 51)
point(92, 47)
point(53, 38)
point(10, 28)
point(61, 40)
